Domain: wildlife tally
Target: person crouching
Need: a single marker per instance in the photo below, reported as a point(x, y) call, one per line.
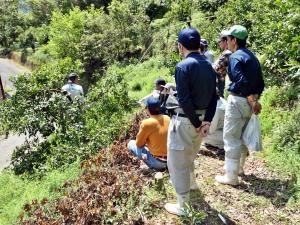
point(151, 141)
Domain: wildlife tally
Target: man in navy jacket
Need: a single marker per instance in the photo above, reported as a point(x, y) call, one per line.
point(246, 86)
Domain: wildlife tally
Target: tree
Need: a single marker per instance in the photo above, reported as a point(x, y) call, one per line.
point(11, 23)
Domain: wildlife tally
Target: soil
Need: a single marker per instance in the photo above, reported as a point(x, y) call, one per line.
point(261, 198)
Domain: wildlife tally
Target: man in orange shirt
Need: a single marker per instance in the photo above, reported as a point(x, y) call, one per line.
point(151, 141)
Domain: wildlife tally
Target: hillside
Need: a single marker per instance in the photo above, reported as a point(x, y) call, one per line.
point(75, 168)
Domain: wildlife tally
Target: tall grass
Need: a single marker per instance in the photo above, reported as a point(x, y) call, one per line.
point(15, 192)
point(280, 120)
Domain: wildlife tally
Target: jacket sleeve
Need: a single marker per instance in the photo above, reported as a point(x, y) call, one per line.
point(211, 109)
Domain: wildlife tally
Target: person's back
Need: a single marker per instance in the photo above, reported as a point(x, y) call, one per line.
point(198, 69)
point(155, 131)
point(252, 79)
point(151, 141)
point(74, 90)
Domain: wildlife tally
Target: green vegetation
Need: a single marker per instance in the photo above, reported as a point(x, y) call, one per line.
point(119, 48)
point(15, 191)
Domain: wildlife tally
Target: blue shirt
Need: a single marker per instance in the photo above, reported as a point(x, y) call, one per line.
point(245, 73)
point(196, 87)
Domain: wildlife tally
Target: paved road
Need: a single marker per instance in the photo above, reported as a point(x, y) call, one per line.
point(9, 68)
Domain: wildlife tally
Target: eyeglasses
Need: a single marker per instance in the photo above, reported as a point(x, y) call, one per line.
point(222, 40)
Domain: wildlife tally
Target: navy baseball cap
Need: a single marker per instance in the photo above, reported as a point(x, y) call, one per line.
point(153, 102)
point(160, 82)
point(189, 38)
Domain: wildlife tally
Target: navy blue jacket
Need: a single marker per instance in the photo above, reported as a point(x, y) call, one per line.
point(245, 73)
point(196, 87)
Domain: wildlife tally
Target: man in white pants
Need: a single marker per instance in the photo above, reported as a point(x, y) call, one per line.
point(196, 94)
point(246, 86)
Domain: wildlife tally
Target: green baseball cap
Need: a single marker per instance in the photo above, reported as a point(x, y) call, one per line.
point(237, 31)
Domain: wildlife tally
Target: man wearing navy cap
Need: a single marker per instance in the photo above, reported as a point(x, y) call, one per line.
point(196, 94)
point(246, 86)
point(151, 141)
point(159, 83)
point(206, 52)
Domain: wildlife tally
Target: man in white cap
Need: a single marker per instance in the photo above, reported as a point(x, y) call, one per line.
point(73, 89)
point(221, 64)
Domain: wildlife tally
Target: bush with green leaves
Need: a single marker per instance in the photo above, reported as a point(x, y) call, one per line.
point(59, 132)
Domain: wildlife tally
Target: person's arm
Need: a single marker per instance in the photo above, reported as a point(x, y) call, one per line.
point(211, 109)
point(184, 97)
point(142, 135)
point(203, 130)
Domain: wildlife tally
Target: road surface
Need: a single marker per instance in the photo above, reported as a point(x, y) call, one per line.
point(9, 68)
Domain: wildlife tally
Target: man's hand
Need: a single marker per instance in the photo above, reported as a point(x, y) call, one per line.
point(254, 104)
point(203, 129)
point(256, 107)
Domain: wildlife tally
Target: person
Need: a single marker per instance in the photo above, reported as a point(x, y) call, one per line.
point(215, 137)
point(159, 83)
point(221, 64)
point(151, 141)
point(196, 94)
point(246, 86)
point(156, 93)
point(73, 89)
point(206, 52)
point(169, 91)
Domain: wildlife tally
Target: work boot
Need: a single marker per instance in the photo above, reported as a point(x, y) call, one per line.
point(242, 163)
point(178, 208)
point(231, 172)
point(193, 183)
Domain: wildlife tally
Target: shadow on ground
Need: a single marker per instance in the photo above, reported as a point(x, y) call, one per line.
point(213, 216)
point(278, 191)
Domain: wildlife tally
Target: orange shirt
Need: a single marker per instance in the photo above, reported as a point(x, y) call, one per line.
point(153, 133)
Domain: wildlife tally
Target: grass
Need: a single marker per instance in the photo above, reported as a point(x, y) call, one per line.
point(15, 191)
point(141, 77)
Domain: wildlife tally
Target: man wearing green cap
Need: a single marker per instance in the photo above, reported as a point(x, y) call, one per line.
point(246, 86)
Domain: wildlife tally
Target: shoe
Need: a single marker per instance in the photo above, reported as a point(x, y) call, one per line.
point(231, 172)
point(178, 208)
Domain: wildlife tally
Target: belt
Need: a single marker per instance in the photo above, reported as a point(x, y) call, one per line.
point(238, 95)
point(183, 115)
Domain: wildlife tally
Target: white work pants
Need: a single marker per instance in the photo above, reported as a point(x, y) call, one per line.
point(183, 145)
point(237, 115)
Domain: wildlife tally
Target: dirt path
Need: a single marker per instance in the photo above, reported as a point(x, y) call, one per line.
point(260, 199)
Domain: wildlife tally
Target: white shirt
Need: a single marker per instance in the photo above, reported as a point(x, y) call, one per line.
point(210, 57)
point(74, 90)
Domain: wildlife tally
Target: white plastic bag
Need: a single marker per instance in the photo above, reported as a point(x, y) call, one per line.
point(252, 134)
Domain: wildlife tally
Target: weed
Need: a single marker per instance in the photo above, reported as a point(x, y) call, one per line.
point(192, 216)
